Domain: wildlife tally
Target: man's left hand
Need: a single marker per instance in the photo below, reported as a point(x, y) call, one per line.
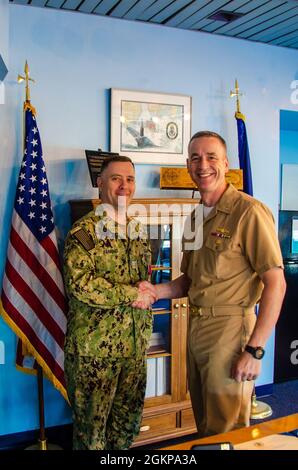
point(246, 368)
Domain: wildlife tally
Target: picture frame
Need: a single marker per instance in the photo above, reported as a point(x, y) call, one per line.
point(150, 127)
point(95, 159)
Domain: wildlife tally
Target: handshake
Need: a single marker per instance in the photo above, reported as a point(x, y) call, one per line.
point(147, 295)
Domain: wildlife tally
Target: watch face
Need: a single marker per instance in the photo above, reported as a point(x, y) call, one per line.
point(259, 353)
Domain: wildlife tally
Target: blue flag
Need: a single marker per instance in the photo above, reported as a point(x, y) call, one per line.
point(243, 152)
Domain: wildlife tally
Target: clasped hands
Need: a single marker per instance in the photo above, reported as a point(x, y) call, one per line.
point(147, 295)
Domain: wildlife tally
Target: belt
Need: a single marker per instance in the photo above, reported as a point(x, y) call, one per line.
point(218, 310)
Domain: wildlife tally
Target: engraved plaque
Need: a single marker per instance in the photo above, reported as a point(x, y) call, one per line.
point(178, 178)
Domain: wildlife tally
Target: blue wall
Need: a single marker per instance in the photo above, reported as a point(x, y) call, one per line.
point(4, 29)
point(5, 163)
point(3, 40)
point(75, 59)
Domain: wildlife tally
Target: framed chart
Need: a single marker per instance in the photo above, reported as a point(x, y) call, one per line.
point(150, 127)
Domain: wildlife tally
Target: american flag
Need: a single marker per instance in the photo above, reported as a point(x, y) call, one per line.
point(33, 299)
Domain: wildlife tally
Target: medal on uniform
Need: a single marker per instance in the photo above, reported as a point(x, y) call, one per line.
point(221, 233)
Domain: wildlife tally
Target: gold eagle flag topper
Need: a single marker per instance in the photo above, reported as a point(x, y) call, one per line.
point(26, 78)
point(27, 103)
point(236, 93)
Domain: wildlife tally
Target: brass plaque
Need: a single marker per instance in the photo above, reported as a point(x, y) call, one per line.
point(175, 178)
point(178, 178)
point(235, 177)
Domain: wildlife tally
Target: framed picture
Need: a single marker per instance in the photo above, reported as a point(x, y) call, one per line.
point(150, 127)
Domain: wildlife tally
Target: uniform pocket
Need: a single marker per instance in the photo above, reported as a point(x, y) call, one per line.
point(228, 257)
point(218, 249)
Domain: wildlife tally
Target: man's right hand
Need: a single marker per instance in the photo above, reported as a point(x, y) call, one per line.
point(146, 286)
point(147, 295)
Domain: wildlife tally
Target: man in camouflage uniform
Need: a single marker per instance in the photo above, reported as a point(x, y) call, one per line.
point(107, 336)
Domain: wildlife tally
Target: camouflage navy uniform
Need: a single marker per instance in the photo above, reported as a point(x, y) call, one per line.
point(106, 338)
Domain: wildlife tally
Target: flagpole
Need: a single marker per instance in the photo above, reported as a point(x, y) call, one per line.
point(259, 409)
point(42, 441)
point(42, 432)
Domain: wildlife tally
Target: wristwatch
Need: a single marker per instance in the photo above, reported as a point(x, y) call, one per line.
point(258, 352)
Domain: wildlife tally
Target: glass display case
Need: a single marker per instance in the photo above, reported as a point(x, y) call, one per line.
point(159, 354)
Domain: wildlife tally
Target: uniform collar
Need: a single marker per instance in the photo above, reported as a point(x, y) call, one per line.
point(227, 200)
point(133, 226)
point(102, 214)
point(225, 203)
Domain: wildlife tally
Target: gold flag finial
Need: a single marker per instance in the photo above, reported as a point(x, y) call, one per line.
point(26, 78)
point(236, 93)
